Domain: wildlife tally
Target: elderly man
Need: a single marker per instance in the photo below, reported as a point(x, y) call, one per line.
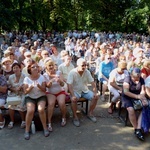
point(77, 80)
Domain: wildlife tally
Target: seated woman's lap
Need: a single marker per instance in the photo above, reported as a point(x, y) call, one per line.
point(32, 103)
point(102, 80)
point(126, 102)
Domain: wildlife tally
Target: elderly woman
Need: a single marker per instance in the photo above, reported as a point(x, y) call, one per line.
point(15, 83)
point(34, 88)
point(134, 89)
point(7, 69)
point(115, 83)
point(55, 92)
point(3, 95)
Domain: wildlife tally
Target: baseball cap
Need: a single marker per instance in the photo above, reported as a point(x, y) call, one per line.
point(136, 71)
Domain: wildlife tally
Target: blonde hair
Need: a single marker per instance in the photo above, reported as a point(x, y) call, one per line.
point(63, 53)
point(146, 63)
point(49, 62)
point(44, 51)
point(122, 64)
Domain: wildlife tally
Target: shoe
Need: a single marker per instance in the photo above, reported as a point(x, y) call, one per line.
point(46, 133)
point(92, 118)
point(50, 129)
point(76, 122)
point(23, 125)
point(2, 124)
point(10, 125)
point(110, 111)
point(63, 122)
point(26, 135)
point(102, 97)
point(139, 135)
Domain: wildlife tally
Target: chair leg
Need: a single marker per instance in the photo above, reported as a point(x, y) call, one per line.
point(101, 88)
point(126, 118)
point(119, 112)
point(87, 106)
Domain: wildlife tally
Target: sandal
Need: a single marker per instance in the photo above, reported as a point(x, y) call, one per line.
point(10, 125)
point(46, 133)
point(50, 129)
point(110, 110)
point(63, 122)
point(139, 135)
point(26, 135)
point(2, 124)
point(23, 125)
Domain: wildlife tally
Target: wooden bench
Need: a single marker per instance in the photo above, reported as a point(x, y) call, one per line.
point(81, 100)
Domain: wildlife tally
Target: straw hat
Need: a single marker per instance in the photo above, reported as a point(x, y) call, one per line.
point(27, 53)
point(6, 59)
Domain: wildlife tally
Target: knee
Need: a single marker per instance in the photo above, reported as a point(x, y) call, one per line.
point(41, 110)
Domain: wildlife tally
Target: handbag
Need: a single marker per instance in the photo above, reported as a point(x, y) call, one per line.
point(13, 100)
point(137, 104)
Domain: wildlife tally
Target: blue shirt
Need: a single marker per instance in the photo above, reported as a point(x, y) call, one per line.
point(105, 69)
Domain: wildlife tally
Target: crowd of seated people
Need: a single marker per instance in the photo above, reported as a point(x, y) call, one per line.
point(43, 76)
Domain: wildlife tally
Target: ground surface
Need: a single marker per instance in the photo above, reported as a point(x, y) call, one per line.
point(108, 133)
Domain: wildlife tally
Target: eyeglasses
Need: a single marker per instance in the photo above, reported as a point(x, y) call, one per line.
point(11, 54)
point(34, 67)
point(108, 58)
point(46, 54)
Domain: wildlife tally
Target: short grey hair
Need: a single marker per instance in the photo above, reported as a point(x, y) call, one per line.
point(80, 61)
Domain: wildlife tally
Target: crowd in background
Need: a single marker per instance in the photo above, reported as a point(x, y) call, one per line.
point(103, 52)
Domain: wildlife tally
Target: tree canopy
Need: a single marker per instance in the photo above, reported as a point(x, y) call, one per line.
point(61, 15)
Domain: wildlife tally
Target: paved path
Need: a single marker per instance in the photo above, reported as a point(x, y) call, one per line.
point(108, 133)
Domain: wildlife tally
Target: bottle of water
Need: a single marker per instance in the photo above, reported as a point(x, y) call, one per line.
point(33, 128)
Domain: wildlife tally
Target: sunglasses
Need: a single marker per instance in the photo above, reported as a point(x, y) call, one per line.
point(11, 54)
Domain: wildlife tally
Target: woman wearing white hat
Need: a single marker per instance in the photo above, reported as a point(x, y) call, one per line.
point(6, 64)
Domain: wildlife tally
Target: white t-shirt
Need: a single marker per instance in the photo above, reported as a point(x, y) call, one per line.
point(119, 78)
point(35, 92)
point(55, 88)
